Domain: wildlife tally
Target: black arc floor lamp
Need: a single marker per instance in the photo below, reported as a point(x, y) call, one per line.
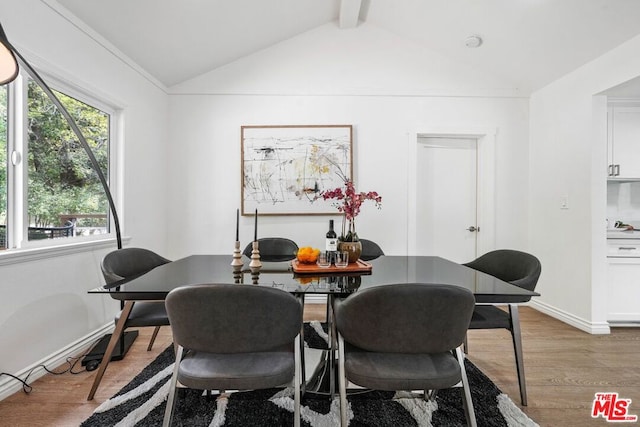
point(9, 58)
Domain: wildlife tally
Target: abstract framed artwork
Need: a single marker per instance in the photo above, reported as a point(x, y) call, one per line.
point(285, 168)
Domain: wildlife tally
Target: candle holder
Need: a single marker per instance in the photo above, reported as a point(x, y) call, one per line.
point(237, 256)
point(255, 276)
point(237, 274)
point(255, 263)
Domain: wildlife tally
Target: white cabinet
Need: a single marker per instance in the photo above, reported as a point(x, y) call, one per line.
point(623, 289)
point(624, 142)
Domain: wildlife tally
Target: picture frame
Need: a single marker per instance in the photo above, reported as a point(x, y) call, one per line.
point(285, 168)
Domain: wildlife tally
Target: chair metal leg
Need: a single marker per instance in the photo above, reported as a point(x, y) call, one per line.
point(516, 335)
point(465, 343)
point(171, 399)
point(153, 338)
point(303, 372)
point(466, 391)
point(115, 336)
point(342, 382)
point(332, 345)
point(296, 382)
point(326, 316)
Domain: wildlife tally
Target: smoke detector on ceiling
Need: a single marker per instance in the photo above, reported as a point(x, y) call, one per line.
point(473, 41)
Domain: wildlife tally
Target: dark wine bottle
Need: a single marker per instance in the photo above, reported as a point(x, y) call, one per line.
point(331, 242)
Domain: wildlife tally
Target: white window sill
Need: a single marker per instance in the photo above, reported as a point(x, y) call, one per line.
point(15, 256)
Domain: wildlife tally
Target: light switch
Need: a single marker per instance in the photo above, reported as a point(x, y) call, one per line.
point(564, 202)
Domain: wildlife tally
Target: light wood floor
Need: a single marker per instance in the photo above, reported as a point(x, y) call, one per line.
point(565, 367)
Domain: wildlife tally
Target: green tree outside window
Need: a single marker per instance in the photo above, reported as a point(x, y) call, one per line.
point(61, 178)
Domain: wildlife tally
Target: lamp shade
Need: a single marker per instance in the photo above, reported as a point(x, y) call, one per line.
point(8, 62)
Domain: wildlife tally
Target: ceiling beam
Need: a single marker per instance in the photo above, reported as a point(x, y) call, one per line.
point(349, 13)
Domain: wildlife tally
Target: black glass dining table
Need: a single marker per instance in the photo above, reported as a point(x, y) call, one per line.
point(384, 271)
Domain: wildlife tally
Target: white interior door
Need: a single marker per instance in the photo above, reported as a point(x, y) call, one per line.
point(446, 204)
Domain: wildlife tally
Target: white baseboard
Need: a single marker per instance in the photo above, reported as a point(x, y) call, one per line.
point(622, 321)
point(9, 386)
point(622, 318)
point(595, 328)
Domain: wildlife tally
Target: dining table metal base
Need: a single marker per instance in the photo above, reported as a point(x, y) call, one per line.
point(324, 378)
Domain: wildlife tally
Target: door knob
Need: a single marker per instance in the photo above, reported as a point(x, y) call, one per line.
point(472, 229)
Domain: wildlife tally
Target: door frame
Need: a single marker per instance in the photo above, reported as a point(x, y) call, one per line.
point(485, 172)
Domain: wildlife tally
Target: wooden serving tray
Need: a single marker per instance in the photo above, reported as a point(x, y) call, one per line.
point(354, 267)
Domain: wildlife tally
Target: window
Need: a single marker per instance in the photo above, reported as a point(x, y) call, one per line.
point(3, 167)
point(50, 192)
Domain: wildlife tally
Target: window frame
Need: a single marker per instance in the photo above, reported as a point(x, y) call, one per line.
point(17, 179)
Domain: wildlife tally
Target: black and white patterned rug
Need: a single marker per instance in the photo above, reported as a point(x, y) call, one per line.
point(142, 403)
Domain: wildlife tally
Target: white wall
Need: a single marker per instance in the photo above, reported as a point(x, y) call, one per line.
point(44, 305)
point(569, 158)
point(387, 88)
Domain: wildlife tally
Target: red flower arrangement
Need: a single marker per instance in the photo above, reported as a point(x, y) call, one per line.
point(348, 203)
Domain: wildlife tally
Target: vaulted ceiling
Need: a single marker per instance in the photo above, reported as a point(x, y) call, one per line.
point(530, 42)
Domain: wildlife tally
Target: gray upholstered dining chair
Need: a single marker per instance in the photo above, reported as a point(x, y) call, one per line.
point(274, 249)
point(521, 269)
point(404, 337)
point(234, 337)
point(128, 263)
point(370, 250)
